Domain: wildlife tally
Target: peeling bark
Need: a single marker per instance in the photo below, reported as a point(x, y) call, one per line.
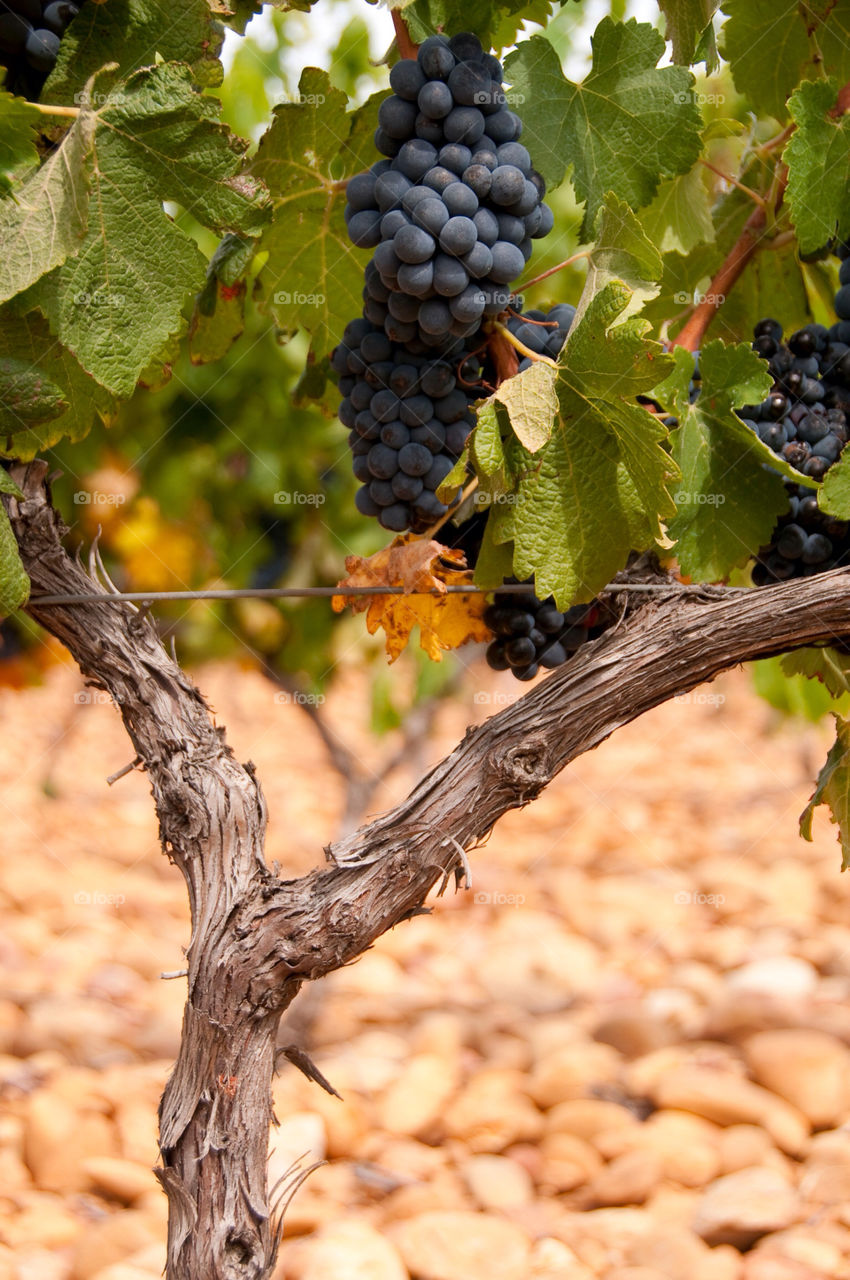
point(256, 937)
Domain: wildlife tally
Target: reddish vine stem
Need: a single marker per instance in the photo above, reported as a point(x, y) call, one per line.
point(691, 335)
point(406, 47)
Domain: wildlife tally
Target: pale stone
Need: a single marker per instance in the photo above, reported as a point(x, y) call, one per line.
point(567, 1162)
point(587, 1117)
point(347, 1250)
point(491, 1113)
point(628, 1179)
point(572, 1072)
point(420, 1094)
point(741, 1207)
point(551, 1259)
point(808, 1068)
point(741, 1145)
point(785, 977)
point(498, 1183)
point(299, 1140)
point(113, 1239)
point(59, 1137)
point(122, 1179)
point(729, 1099)
point(458, 1246)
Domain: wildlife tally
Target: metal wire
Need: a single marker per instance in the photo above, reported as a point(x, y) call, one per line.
point(287, 593)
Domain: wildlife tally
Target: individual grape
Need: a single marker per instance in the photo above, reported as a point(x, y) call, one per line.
point(455, 157)
point(413, 244)
point(458, 236)
point(408, 80)
point(385, 144)
point(464, 124)
point(435, 99)
point(476, 178)
point(460, 200)
point(416, 410)
point(432, 215)
point(390, 189)
point(466, 47)
point(429, 130)
point(435, 58)
point(416, 278)
point(507, 185)
point(469, 305)
point(438, 179)
point(41, 48)
point(405, 487)
point(440, 467)
point(495, 654)
point(435, 316)
point(392, 222)
point(395, 435)
point(508, 262)
point(449, 276)
point(470, 83)
point(478, 261)
point(396, 518)
point(842, 302)
point(365, 503)
point(397, 117)
point(413, 459)
point(415, 158)
point(383, 461)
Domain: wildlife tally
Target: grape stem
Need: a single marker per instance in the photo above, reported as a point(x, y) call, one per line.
point(520, 346)
point(46, 110)
point(727, 177)
point(467, 492)
point(752, 238)
point(406, 47)
point(576, 257)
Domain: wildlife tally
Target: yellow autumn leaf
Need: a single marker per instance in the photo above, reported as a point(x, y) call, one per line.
point(422, 569)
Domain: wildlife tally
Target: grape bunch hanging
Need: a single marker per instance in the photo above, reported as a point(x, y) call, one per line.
point(30, 35)
point(450, 212)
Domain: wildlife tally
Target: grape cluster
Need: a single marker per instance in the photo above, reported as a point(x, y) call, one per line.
point(805, 419)
point(533, 633)
point(408, 416)
point(452, 209)
point(544, 333)
point(30, 34)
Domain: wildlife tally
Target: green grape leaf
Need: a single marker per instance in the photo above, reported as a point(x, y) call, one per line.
point(687, 21)
point(313, 276)
point(624, 128)
point(532, 403)
point(829, 666)
point(7, 484)
point(19, 123)
point(218, 318)
point(45, 220)
point(52, 372)
point(679, 217)
point(486, 442)
point(768, 47)
point(621, 252)
point(833, 790)
point(834, 493)
point(818, 159)
point(115, 304)
point(26, 396)
point(495, 559)
point(316, 386)
point(136, 34)
point(14, 583)
point(602, 479)
point(728, 503)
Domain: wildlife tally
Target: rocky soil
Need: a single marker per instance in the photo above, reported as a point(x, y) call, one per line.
point(624, 1055)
